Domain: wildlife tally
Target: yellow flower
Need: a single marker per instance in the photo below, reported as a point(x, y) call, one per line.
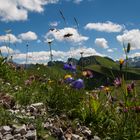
point(121, 61)
point(50, 81)
point(106, 89)
point(67, 76)
point(84, 73)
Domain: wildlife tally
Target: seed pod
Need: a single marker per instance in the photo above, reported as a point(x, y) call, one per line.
point(128, 47)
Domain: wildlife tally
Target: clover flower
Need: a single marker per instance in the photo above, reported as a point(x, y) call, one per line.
point(130, 87)
point(118, 82)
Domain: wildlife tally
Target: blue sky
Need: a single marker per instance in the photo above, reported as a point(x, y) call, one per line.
point(103, 26)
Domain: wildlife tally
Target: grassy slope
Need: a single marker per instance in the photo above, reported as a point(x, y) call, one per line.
point(109, 68)
point(61, 98)
point(105, 62)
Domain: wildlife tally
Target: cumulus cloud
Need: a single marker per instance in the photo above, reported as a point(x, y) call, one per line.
point(28, 36)
point(44, 56)
point(9, 38)
point(6, 50)
point(132, 37)
point(101, 42)
point(15, 10)
point(105, 27)
point(87, 52)
point(59, 35)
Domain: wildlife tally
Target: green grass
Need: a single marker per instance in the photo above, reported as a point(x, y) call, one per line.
point(105, 62)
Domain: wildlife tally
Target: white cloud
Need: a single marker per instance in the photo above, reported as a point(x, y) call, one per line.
point(28, 36)
point(135, 55)
point(59, 35)
point(87, 52)
point(44, 56)
point(9, 38)
point(6, 50)
point(110, 50)
point(15, 10)
point(9, 51)
point(101, 42)
point(105, 27)
point(132, 37)
point(54, 24)
point(9, 11)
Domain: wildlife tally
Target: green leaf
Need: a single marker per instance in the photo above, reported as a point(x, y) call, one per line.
point(95, 105)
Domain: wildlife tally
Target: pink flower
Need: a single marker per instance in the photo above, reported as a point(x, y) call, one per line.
point(129, 88)
point(118, 82)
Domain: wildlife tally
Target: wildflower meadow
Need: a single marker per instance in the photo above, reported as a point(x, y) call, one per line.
point(109, 108)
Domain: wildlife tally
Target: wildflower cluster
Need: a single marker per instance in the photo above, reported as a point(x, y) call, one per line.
point(76, 84)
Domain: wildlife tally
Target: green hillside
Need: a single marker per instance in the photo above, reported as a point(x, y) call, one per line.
point(109, 68)
point(98, 60)
point(112, 73)
point(104, 61)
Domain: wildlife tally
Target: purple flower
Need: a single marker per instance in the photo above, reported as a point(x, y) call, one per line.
point(66, 66)
point(125, 109)
point(73, 67)
point(69, 67)
point(69, 80)
point(78, 84)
